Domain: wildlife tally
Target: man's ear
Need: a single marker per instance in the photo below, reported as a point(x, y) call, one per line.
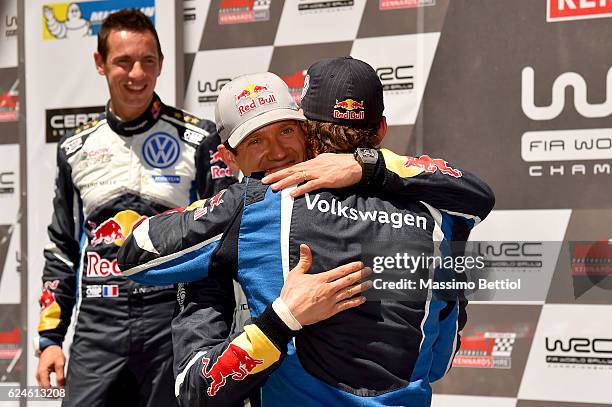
point(161, 64)
point(228, 158)
point(99, 63)
point(382, 129)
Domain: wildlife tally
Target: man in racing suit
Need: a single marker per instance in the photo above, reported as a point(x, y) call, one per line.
point(380, 353)
point(136, 160)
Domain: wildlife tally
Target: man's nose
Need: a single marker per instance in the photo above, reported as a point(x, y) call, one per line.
point(276, 151)
point(136, 72)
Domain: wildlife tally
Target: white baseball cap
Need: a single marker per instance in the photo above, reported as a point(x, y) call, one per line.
point(251, 102)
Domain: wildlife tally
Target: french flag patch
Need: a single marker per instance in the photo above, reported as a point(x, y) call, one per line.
point(110, 291)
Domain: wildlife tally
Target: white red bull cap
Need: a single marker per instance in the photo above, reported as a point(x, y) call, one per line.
point(251, 102)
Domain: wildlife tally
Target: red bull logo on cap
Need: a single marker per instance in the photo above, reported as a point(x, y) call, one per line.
point(116, 229)
point(347, 109)
point(428, 164)
point(234, 362)
point(254, 96)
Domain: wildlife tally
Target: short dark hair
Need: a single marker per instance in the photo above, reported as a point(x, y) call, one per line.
point(325, 137)
point(127, 19)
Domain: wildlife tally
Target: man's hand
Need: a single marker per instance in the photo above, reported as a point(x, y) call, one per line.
point(314, 297)
point(327, 170)
point(51, 360)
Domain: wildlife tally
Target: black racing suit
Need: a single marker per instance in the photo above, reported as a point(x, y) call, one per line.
point(380, 353)
point(111, 175)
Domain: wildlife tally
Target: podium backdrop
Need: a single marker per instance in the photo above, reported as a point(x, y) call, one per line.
point(519, 92)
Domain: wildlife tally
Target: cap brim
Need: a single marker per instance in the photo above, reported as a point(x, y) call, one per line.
point(259, 121)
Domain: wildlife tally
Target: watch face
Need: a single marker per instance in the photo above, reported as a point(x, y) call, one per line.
point(369, 153)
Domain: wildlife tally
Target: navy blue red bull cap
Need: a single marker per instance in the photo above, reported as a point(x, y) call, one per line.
point(343, 91)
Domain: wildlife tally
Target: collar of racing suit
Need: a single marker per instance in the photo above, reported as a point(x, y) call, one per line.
point(138, 125)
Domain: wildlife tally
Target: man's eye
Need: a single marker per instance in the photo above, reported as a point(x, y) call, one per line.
point(124, 63)
point(287, 131)
point(254, 141)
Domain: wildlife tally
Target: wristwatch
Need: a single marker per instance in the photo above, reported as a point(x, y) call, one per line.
point(367, 158)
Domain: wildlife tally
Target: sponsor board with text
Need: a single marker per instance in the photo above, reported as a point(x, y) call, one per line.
point(335, 21)
point(82, 19)
point(12, 358)
point(402, 64)
point(566, 10)
point(401, 4)
point(497, 341)
point(538, 131)
point(9, 102)
point(206, 79)
point(571, 345)
point(60, 121)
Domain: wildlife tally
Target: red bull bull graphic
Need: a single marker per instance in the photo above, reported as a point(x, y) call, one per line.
point(347, 109)
point(254, 96)
point(349, 104)
point(108, 231)
point(116, 229)
point(215, 157)
point(216, 200)
point(234, 362)
point(49, 309)
point(428, 164)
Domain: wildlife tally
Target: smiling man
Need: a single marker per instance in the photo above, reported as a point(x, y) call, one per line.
point(137, 159)
point(259, 125)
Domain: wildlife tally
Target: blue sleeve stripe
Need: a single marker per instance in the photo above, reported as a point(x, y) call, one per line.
point(190, 266)
point(443, 349)
point(430, 330)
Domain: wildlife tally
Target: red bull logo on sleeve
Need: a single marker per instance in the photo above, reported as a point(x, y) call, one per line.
point(116, 229)
point(216, 200)
point(49, 309)
point(254, 96)
point(234, 362)
point(428, 164)
point(349, 109)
